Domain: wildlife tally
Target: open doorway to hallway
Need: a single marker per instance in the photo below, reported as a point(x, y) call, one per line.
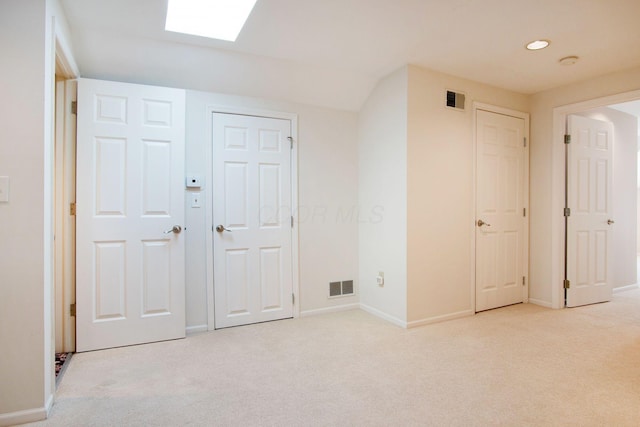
point(601, 189)
point(633, 108)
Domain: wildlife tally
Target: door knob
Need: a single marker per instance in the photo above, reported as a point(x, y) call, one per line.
point(481, 223)
point(175, 229)
point(610, 221)
point(220, 228)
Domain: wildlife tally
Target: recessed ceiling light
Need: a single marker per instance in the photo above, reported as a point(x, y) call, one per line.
point(216, 19)
point(568, 60)
point(538, 44)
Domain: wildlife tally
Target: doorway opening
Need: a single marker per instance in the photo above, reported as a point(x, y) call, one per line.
point(623, 113)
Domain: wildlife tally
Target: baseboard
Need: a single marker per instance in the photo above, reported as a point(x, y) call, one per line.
point(438, 319)
point(49, 405)
point(326, 310)
point(26, 416)
point(197, 329)
point(625, 288)
point(383, 315)
point(540, 303)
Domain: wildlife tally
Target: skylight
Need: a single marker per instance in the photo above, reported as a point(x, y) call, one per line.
point(215, 19)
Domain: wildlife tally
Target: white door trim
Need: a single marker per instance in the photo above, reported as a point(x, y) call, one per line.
point(472, 225)
point(557, 183)
point(65, 228)
point(209, 206)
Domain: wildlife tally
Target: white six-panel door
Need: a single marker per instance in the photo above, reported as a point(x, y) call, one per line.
point(130, 193)
point(500, 202)
point(590, 224)
point(253, 276)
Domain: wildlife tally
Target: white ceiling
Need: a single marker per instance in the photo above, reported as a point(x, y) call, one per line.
point(332, 52)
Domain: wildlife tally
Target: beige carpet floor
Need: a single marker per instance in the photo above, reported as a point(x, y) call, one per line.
point(516, 366)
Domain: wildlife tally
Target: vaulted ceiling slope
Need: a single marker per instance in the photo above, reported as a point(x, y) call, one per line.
point(333, 52)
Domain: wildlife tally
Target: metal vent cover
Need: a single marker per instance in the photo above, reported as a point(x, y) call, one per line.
point(335, 289)
point(347, 287)
point(455, 100)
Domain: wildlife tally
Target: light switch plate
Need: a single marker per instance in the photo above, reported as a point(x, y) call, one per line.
point(195, 200)
point(4, 188)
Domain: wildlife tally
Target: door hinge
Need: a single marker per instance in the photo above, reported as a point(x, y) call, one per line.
point(74, 107)
point(293, 298)
point(567, 139)
point(567, 211)
point(72, 309)
point(524, 211)
point(523, 280)
point(525, 142)
point(291, 222)
point(72, 209)
point(567, 284)
point(291, 141)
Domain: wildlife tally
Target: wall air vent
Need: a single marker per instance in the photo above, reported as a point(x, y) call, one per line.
point(347, 287)
point(338, 289)
point(335, 289)
point(455, 100)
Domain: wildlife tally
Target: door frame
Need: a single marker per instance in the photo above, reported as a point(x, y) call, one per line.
point(65, 225)
point(525, 266)
point(211, 109)
point(557, 183)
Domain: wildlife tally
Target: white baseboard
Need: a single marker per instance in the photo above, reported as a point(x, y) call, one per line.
point(327, 310)
point(383, 315)
point(540, 303)
point(197, 329)
point(49, 404)
point(438, 319)
point(26, 416)
point(625, 288)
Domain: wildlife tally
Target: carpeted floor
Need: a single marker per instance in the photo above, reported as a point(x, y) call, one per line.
point(518, 366)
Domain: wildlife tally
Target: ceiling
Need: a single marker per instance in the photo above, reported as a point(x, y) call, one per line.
point(333, 52)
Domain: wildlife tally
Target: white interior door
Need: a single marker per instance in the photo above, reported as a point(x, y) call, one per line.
point(590, 223)
point(252, 243)
point(130, 192)
point(500, 215)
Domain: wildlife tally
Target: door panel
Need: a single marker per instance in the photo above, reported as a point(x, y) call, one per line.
point(589, 192)
point(253, 272)
point(130, 171)
point(500, 251)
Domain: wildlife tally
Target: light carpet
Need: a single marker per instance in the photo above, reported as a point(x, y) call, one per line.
point(516, 366)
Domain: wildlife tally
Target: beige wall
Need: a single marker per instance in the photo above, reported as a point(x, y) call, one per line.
point(26, 232)
point(440, 181)
point(327, 180)
point(547, 176)
point(425, 243)
point(382, 187)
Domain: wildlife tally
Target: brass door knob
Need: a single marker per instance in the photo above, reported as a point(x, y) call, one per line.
point(220, 228)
